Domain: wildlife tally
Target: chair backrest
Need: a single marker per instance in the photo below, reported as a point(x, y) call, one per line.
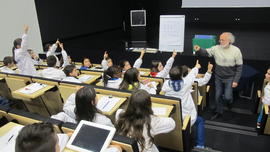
point(26, 118)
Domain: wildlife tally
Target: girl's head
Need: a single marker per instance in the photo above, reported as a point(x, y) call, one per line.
point(125, 65)
point(86, 63)
point(157, 66)
point(85, 104)
point(131, 79)
point(17, 43)
point(137, 115)
point(267, 74)
point(176, 74)
point(71, 70)
point(185, 70)
point(47, 47)
point(111, 73)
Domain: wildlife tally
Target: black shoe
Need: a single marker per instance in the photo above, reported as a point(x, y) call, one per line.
point(217, 115)
point(229, 105)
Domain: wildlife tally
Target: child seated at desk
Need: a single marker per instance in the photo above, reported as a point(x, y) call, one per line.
point(35, 58)
point(112, 77)
point(131, 82)
point(158, 70)
point(71, 73)
point(52, 72)
point(86, 64)
point(138, 121)
point(8, 64)
point(106, 62)
point(179, 87)
point(265, 98)
point(41, 137)
point(82, 106)
point(125, 65)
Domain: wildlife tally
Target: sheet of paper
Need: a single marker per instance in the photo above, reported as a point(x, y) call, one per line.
point(63, 139)
point(106, 103)
point(85, 78)
point(159, 111)
point(32, 88)
point(7, 141)
point(97, 68)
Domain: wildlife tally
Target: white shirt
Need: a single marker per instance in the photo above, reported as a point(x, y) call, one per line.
point(104, 64)
point(6, 70)
point(159, 125)
point(114, 83)
point(70, 115)
point(150, 90)
point(266, 96)
point(65, 58)
point(165, 72)
point(53, 73)
point(23, 58)
point(204, 80)
point(71, 79)
point(51, 51)
point(187, 104)
point(137, 63)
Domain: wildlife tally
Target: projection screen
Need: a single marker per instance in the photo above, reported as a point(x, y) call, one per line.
point(14, 15)
point(224, 3)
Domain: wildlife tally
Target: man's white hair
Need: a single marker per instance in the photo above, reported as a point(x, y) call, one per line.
point(231, 37)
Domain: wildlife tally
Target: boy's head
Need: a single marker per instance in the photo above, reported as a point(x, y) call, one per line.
point(8, 61)
point(51, 61)
point(86, 62)
point(37, 137)
point(176, 73)
point(71, 70)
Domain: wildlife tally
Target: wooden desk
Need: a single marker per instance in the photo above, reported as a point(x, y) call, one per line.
point(32, 95)
point(4, 129)
point(119, 103)
point(169, 108)
point(92, 79)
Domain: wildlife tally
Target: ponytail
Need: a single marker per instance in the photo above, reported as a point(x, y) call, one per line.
point(110, 73)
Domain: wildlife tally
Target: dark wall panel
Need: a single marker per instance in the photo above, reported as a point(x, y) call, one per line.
point(66, 18)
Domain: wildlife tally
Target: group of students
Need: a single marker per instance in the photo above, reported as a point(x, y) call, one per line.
point(137, 121)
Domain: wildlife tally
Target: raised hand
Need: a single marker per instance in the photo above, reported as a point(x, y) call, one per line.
point(174, 54)
point(209, 67)
point(198, 64)
point(26, 29)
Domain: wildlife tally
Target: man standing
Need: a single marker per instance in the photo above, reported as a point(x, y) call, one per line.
point(228, 69)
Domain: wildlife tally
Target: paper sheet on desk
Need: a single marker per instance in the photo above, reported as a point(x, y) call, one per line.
point(106, 103)
point(85, 78)
point(159, 111)
point(7, 141)
point(32, 88)
point(97, 68)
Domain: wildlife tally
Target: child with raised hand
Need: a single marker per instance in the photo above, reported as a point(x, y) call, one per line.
point(125, 65)
point(71, 74)
point(86, 64)
point(158, 70)
point(139, 122)
point(35, 58)
point(131, 82)
point(265, 98)
point(50, 50)
point(112, 77)
point(179, 87)
point(65, 57)
point(107, 61)
point(8, 64)
point(21, 56)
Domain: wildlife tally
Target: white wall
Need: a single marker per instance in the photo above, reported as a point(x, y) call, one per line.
point(14, 14)
point(225, 3)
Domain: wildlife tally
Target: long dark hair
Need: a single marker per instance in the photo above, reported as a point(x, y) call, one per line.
point(176, 74)
point(85, 107)
point(130, 78)
point(155, 64)
point(136, 116)
point(16, 42)
point(111, 72)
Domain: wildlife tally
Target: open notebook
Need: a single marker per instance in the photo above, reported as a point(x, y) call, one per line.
point(106, 103)
point(7, 141)
point(32, 88)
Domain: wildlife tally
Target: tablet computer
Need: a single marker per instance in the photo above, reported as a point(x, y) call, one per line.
point(91, 137)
